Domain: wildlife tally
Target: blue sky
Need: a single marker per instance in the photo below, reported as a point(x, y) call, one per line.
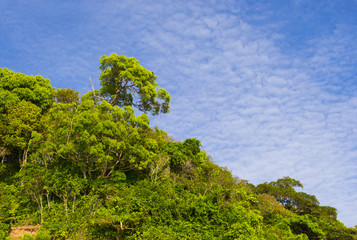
point(268, 87)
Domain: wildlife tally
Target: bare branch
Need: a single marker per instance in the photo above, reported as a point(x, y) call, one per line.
point(90, 79)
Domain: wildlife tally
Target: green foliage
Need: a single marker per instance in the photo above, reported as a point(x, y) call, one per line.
point(306, 225)
point(284, 192)
point(126, 83)
point(66, 96)
point(314, 221)
point(334, 229)
point(93, 139)
point(22, 119)
point(90, 168)
point(15, 87)
point(22, 101)
point(184, 154)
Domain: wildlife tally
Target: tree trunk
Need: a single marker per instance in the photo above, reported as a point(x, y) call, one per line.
point(24, 156)
point(48, 200)
point(74, 200)
point(41, 209)
point(65, 205)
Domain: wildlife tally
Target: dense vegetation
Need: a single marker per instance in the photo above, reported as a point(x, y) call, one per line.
point(89, 168)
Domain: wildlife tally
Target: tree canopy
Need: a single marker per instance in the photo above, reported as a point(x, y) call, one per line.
point(126, 83)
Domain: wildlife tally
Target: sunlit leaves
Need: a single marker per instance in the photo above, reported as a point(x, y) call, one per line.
point(15, 87)
point(96, 138)
point(126, 83)
point(66, 95)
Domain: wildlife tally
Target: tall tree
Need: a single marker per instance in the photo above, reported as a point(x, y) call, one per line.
point(23, 99)
point(126, 83)
point(284, 192)
point(22, 120)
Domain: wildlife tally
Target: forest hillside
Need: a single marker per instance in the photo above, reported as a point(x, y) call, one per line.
point(90, 168)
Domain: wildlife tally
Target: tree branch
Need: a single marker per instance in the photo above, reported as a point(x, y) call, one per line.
point(90, 79)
